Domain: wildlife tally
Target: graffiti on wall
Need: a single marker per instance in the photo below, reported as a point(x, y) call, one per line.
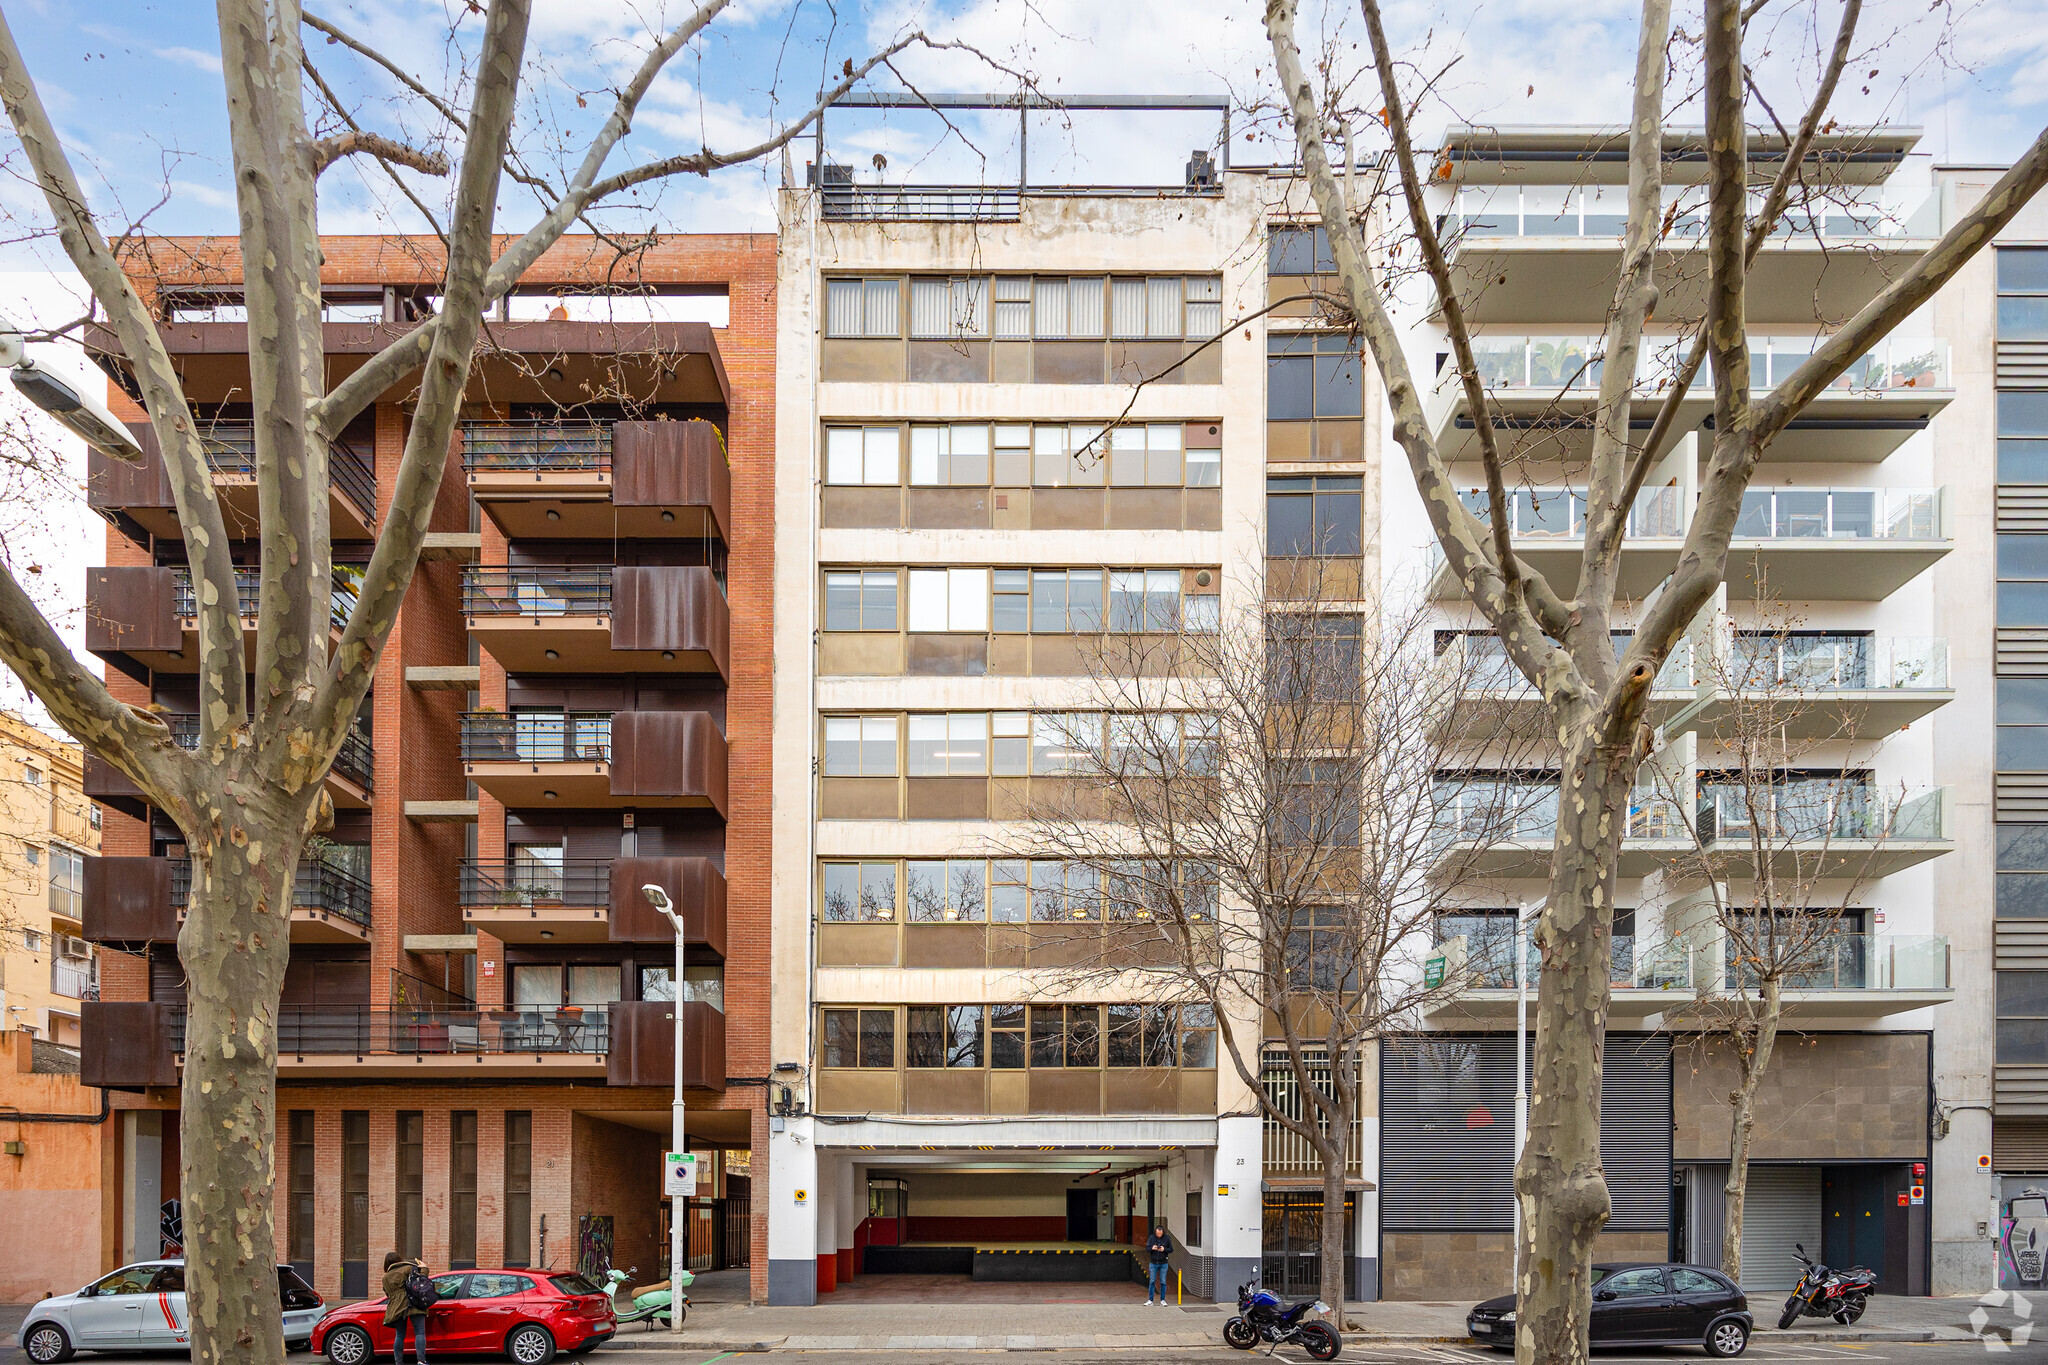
point(594, 1245)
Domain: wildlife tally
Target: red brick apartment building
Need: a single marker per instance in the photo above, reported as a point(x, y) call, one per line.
point(476, 1034)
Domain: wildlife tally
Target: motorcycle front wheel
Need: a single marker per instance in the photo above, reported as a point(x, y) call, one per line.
point(1238, 1333)
point(1791, 1313)
point(1321, 1341)
point(1851, 1309)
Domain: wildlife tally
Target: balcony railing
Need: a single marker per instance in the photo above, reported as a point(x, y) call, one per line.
point(249, 594)
point(546, 737)
point(1634, 964)
point(521, 885)
point(1845, 962)
point(1558, 211)
point(356, 761)
point(1839, 514)
point(1526, 812)
point(318, 885)
point(230, 448)
point(546, 591)
point(537, 446)
point(1489, 669)
point(1812, 810)
point(360, 1030)
point(74, 980)
point(1822, 663)
point(1560, 513)
point(1576, 364)
point(920, 203)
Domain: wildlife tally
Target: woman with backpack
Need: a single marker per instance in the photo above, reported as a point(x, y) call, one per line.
point(408, 1294)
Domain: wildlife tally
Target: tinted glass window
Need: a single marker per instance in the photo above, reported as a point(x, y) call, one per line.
point(169, 1280)
point(2023, 848)
point(449, 1286)
point(2023, 271)
point(572, 1284)
point(499, 1286)
point(1696, 1282)
point(1635, 1284)
point(2023, 414)
point(2023, 994)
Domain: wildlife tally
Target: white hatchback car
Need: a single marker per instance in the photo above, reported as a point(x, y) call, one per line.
point(141, 1307)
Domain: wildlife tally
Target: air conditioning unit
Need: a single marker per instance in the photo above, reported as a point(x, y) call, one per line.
point(70, 946)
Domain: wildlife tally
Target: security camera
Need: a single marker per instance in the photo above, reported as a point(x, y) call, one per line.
point(85, 415)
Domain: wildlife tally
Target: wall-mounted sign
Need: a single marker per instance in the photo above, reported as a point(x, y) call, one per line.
point(1433, 973)
point(1919, 1193)
point(803, 1196)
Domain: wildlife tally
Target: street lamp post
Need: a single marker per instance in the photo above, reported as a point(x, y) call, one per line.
point(678, 1140)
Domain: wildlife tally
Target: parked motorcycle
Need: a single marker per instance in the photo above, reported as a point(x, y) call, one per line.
point(1262, 1317)
point(1824, 1293)
point(652, 1302)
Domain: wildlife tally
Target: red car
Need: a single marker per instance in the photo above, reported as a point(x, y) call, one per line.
point(525, 1314)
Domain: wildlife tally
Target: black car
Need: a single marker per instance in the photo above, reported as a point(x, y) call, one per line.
point(1642, 1305)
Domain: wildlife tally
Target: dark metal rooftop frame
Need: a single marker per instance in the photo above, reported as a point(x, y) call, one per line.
point(1025, 104)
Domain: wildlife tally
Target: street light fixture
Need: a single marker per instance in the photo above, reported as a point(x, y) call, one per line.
point(678, 1141)
point(86, 416)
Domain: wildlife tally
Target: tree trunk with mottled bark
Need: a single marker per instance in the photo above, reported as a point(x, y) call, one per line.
point(1742, 1122)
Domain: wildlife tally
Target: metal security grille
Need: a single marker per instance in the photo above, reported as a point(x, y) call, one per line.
point(1292, 1254)
point(1287, 1152)
point(1447, 1131)
point(1781, 1207)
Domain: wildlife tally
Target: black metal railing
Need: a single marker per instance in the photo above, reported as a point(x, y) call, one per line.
point(318, 885)
point(522, 883)
point(920, 203)
point(537, 737)
point(230, 448)
point(362, 1030)
point(537, 445)
point(538, 591)
point(357, 760)
point(249, 593)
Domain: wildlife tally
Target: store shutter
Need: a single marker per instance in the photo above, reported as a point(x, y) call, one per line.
point(1780, 1209)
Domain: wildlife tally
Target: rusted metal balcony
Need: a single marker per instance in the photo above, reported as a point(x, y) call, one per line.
point(596, 758)
point(622, 618)
point(145, 618)
point(600, 479)
point(142, 492)
point(350, 782)
point(594, 900)
point(142, 900)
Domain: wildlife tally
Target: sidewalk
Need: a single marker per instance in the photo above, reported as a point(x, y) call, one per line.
point(1093, 1326)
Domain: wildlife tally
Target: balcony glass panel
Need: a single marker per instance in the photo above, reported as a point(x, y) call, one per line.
point(1839, 514)
point(1824, 961)
point(537, 445)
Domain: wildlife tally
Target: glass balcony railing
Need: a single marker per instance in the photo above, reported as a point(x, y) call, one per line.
point(1848, 663)
point(1488, 955)
point(1489, 669)
point(536, 446)
point(1841, 962)
point(1840, 514)
point(348, 581)
point(537, 737)
point(1518, 811)
point(1812, 810)
point(1576, 364)
point(1561, 513)
point(1480, 211)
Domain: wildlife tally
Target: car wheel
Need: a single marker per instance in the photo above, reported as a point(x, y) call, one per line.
point(46, 1344)
point(348, 1346)
point(530, 1344)
point(1727, 1338)
point(1238, 1333)
point(1321, 1341)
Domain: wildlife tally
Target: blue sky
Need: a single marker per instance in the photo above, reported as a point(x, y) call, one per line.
point(136, 89)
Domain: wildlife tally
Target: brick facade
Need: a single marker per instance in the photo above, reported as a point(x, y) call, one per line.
point(584, 1159)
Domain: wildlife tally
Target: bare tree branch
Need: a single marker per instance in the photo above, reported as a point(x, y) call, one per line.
point(329, 150)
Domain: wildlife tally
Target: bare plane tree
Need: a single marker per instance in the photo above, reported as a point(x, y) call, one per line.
point(252, 793)
point(1787, 834)
point(1558, 635)
point(1261, 814)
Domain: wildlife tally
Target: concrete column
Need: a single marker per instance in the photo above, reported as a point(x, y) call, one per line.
point(852, 1190)
point(793, 1202)
point(1964, 1202)
point(831, 1179)
point(1367, 1285)
point(142, 1196)
point(1238, 1216)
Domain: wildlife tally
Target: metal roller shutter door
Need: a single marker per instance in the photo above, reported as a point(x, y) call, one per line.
point(1782, 1207)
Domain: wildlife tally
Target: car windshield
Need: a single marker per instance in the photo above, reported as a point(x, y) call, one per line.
point(573, 1284)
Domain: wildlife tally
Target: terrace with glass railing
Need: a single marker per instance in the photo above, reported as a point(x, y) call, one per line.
point(1601, 211)
point(1576, 365)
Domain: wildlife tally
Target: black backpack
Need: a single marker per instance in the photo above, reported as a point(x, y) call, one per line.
point(419, 1290)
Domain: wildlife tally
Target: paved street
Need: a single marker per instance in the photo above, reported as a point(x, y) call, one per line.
point(1908, 1353)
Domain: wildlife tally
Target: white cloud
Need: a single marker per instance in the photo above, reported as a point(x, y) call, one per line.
point(191, 56)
